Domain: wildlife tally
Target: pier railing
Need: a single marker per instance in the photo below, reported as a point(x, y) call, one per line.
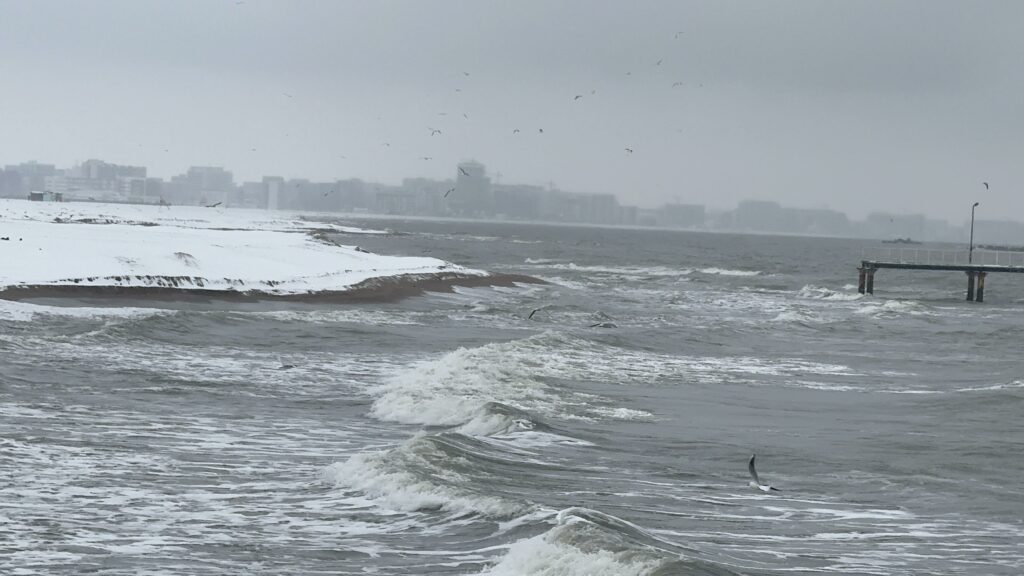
point(931, 256)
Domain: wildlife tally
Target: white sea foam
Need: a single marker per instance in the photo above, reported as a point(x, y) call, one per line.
point(25, 312)
point(892, 308)
point(488, 422)
point(545, 555)
point(577, 547)
point(727, 272)
point(637, 271)
point(993, 387)
point(629, 271)
point(812, 292)
point(450, 390)
point(797, 316)
point(621, 413)
point(414, 477)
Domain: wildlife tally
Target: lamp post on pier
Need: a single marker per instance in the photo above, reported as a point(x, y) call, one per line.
point(970, 249)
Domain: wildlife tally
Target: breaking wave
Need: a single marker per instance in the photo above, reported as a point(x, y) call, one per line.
point(589, 543)
point(424, 474)
point(894, 308)
point(812, 292)
point(525, 375)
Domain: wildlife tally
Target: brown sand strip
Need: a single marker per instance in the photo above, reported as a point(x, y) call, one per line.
point(384, 289)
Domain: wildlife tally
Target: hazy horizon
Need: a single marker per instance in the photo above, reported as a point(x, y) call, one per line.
point(904, 107)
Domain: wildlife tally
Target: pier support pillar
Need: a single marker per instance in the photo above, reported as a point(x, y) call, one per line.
point(861, 275)
point(980, 296)
point(970, 286)
point(870, 281)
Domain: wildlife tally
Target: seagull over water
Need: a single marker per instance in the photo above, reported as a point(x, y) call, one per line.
point(756, 482)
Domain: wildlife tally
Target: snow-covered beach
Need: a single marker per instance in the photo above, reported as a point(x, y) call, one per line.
point(98, 249)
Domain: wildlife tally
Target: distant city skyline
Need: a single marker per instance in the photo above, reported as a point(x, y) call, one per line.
point(470, 192)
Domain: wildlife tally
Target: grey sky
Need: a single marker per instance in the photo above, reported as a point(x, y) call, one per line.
point(856, 106)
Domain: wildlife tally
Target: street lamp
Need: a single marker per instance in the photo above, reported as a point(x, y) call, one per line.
point(970, 250)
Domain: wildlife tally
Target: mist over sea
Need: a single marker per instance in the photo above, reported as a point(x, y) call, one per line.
point(597, 424)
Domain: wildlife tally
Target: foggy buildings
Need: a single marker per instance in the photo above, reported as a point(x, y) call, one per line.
point(890, 226)
point(92, 179)
point(772, 217)
point(201, 185)
point(681, 216)
point(517, 202)
point(470, 194)
point(100, 180)
point(20, 179)
point(473, 195)
point(758, 216)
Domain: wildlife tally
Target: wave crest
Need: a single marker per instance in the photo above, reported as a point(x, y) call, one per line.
point(418, 475)
point(587, 542)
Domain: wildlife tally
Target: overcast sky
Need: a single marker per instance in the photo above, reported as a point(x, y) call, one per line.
point(857, 106)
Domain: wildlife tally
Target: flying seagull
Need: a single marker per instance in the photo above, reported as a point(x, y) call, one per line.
point(530, 317)
point(426, 157)
point(214, 205)
point(463, 171)
point(578, 96)
point(658, 63)
point(674, 84)
point(756, 482)
point(433, 131)
point(629, 150)
point(450, 190)
point(540, 130)
point(515, 130)
point(986, 185)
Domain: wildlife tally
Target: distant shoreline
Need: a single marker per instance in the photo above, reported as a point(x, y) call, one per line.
point(382, 289)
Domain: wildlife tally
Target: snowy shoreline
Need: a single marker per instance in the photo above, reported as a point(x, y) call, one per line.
point(111, 250)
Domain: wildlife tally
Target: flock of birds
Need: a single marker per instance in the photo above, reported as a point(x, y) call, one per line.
point(433, 131)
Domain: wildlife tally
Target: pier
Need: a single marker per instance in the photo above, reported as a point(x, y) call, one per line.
point(977, 266)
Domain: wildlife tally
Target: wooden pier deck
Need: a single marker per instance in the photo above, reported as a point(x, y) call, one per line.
point(977, 266)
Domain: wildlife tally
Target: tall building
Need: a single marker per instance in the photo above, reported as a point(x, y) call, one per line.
point(274, 186)
point(29, 176)
point(473, 195)
point(207, 185)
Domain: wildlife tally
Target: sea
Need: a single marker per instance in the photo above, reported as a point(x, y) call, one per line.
point(597, 423)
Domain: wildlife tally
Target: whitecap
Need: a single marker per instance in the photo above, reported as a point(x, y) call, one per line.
point(812, 292)
point(728, 272)
point(413, 477)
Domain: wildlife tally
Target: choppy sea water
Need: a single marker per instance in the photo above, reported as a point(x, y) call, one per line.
point(455, 434)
